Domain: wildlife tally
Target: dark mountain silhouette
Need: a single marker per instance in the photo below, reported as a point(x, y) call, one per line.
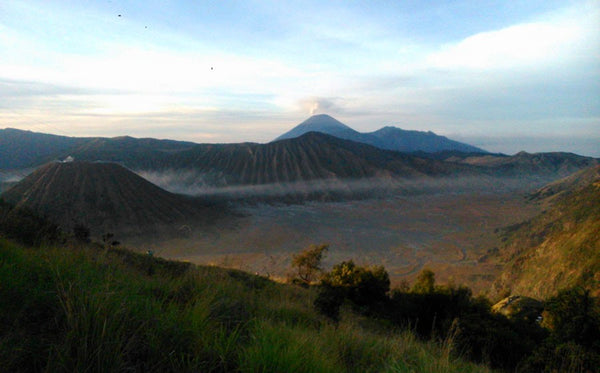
point(325, 124)
point(24, 149)
point(311, 156)
point(106, 197)
point(393, 138)
point(126, 150)
point(559, 248)
point(556, 164)
point(389, 138)
point(21, 149)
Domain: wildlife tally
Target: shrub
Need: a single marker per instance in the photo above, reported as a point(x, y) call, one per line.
point(26, 227)
point(307, 263)
point(365, 288)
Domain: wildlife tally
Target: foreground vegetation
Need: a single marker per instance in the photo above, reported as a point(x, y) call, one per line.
point(562, 335)
point(70, 305)
point(67, 305)
point(85, 308)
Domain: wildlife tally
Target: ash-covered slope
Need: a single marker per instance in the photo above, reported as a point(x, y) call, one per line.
point(559, 248)
point(105, 197)
point(309, 157)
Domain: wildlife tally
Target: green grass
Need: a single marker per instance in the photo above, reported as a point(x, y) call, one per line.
point(86, 309)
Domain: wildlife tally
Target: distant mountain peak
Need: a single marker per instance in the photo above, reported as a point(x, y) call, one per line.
point(318, 121)
point(321, 123)
point(320, 118)
point(388, 137)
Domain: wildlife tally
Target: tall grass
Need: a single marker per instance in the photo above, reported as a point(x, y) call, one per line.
point(85, 309)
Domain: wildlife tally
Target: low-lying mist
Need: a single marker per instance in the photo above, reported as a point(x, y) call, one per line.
point(193, 183)
point(10, 178)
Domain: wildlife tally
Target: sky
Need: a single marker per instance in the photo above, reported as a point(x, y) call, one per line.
point(502, 75)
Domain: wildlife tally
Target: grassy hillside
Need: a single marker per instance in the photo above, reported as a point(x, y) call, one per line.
point(85, 308)
point(561, 247)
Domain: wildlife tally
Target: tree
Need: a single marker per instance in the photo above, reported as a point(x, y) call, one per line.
point(425, 283)
point(573, 315)
point(364, 284)
point(366, 288)
point(307, 263)
point(573, 320)
point(26, 226)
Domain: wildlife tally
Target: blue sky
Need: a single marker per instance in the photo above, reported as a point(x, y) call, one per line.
point(503, 75)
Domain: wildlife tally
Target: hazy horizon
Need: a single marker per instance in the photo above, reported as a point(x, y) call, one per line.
point(504, 77)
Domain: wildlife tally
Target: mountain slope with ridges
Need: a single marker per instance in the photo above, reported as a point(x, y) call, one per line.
point(105, 197)
point(309, 157)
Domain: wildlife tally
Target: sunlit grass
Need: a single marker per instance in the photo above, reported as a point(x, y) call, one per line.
point(88, 309)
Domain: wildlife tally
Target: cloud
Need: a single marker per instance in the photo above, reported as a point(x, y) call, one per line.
point(533, 44)
point(320, 105)
point(87, 72)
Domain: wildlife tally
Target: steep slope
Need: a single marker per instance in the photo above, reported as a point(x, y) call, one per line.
point(559, 248)
point(309, 157)
point(103, 196)
point(325, 124)
point(571, 183)
point(388, 138)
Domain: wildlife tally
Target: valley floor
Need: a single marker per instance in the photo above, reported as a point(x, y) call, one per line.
point(449, 233)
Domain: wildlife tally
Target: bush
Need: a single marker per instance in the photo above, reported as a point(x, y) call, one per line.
point(26, 227)
point(573, 345)
point(365, 288)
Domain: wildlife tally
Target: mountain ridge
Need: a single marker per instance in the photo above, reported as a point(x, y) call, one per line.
point(388, 137)
point(312, 156)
